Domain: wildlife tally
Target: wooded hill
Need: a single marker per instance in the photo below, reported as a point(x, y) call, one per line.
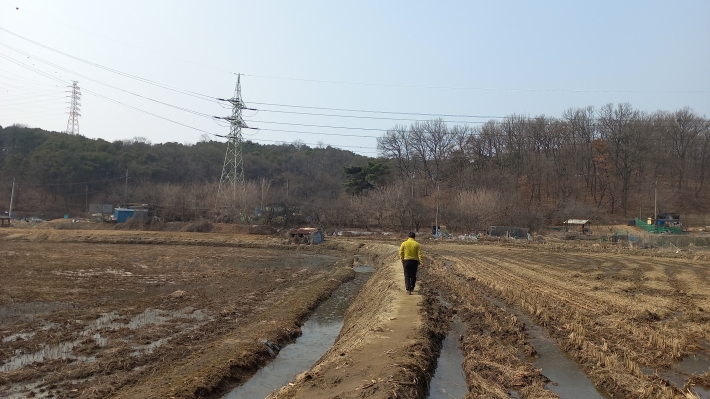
point(53, 170)
point(607, 164)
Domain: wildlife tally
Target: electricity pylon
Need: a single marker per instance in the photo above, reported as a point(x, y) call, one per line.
point(232, 179)
point(74, 108)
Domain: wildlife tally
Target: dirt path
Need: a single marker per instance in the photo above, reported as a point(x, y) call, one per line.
point(384, 349)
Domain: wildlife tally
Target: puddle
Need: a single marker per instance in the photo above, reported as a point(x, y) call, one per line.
point(360, 264)
point(364, 269)
point(22, 391)
point(319, 334)
point(64, 350)
point(148, 316)
point(567, 379)
point(683, 370)
point(449, 380)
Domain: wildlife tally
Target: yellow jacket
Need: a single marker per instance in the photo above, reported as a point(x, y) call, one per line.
point(410, 249)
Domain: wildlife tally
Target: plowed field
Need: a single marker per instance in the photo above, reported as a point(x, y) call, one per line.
point(627, 319)
point(93, 319)
point(123, 314)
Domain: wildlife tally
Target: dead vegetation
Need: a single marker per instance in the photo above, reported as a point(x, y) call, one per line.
point(620, 317)
point(91, 313)
point(495, 345)
point(161, 314)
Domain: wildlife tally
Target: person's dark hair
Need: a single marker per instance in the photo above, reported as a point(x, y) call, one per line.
point(411, 234)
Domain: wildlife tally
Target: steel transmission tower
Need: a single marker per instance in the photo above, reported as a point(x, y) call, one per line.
point(233, 171)
point(74, 108)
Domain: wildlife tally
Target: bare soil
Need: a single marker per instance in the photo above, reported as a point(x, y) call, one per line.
point(388, 345)
point(150, 314)
point(129, 314)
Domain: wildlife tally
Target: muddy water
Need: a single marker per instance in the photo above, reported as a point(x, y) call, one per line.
point(567, 379)
point(683, 370)
point(319, 334)
point(449, 380)
point(112, 320)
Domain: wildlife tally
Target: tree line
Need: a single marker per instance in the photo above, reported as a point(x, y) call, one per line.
point(57, 173)
point(606, 164)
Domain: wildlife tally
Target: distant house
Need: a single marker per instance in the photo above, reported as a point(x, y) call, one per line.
point(668, 219)
point(665, 223)
point(123, 214)
point(580, 224)
point(306, 235)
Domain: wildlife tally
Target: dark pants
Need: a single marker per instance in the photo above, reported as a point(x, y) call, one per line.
point(410, 273)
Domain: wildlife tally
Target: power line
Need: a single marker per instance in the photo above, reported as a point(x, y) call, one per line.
point(145, 112)
point(360, 117)
point(111, 86)
point(22, 80)
point(321, 134)
point(278, 111)
point(135, 108)
point(272, 104)
point(380, 112)
point(33, 69)
point(129, 45)
point(30, 102)
point(29, 96)
point(110, 99)
point(482, 88)
point(144, 80)
point(367, 83)
point(325, 126)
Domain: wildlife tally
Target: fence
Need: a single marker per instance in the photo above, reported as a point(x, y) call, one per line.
point(658, 229)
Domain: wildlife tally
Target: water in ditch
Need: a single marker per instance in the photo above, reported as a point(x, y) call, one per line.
point(449, 380)
point(319, 334)
point(567, 379)
point(681, 372)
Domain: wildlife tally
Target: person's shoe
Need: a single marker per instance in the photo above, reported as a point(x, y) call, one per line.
point(410, 292)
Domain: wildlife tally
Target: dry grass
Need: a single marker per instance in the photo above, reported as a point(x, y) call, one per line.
point(616, 314)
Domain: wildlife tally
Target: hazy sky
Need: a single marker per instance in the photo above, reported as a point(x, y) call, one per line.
point(468, 58)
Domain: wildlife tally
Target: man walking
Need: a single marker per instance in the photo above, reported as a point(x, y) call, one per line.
point(410, 253)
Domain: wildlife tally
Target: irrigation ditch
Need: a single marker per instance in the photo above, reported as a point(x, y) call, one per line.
point(125, 315)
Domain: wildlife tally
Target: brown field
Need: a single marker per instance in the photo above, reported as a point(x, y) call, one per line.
point(627, 319)
point(90, 320)
point(95, 314)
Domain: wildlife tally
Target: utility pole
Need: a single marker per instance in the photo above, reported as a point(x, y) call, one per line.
point(87, 199)
point(655, 201)
point(74, 108)
point(233, 169)
point(12, 197)
point(125, 190)
point(436, 222)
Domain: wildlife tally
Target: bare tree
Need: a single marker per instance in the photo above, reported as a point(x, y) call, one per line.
point(681, 131)
point(625, 130)
point(396, 144)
